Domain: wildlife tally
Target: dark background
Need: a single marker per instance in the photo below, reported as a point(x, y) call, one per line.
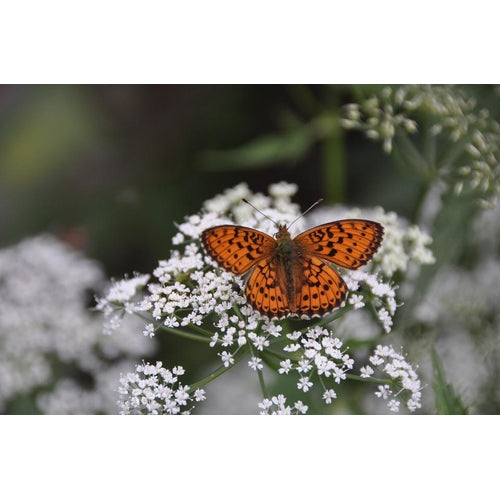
point(110, 168)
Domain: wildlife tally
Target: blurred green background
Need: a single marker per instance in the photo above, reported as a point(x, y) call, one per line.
point(110, 168)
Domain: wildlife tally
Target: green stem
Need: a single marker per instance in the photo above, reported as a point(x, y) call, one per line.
point(262, 383)
point(182, 333)
point(334, 164)
point(187, 335)
point(259, 374)
point(201, 330)
point(368, 379)
point(332, 317)
point(239, 353)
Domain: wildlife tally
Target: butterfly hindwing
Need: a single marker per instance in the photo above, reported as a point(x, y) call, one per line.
point(237, 248)
point(264, 291)
point(322, 290)
point(349, 243)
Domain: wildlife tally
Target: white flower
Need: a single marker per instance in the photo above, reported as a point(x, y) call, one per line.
point(226, 358)
point(356, 301)
point(255, 363)
point(199, 395)
point(329, 395)
point(366, 371)
point(149, 330)
point(383, 391)
point(304, 384)
point(405, 378)
point(301, 407)
point(285, 366)
point(277, 406)
point(393, 405)
point(282, 190)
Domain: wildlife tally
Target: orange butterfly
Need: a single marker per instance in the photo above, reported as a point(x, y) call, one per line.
point(290, 276)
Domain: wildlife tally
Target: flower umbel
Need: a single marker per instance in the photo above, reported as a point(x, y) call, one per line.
point(155, 390)
point(404, 380)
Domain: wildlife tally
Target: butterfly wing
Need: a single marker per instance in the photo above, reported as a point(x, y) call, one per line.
point(349, 243)
point(265, 290)
point(237, 248)
point(322, 289)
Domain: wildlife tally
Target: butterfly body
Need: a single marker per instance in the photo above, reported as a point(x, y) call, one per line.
point(287, 258)
point(291, 276)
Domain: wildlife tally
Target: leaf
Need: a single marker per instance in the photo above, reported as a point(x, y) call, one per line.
point(447, 401)
point(260, 153)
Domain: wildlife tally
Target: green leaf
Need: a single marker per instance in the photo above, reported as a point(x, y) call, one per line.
point(260, 153)
point(447, 401)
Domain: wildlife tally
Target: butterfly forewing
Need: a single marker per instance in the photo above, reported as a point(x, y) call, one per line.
point(349, 243)
point(237, 248)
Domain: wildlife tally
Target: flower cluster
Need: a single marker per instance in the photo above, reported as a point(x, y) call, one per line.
point(155, 390)
point(120, 299)
point(446, 112)
point(403, 378)
point(49, 340)
point(316, 352)
point(277, 406)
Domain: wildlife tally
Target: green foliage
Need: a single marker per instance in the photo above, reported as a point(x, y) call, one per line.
point(446, 399)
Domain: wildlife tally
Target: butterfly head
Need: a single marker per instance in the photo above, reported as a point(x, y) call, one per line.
point(282, 232)
point(283, 228)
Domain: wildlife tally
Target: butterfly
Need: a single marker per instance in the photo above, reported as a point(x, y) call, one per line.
point(292, 277)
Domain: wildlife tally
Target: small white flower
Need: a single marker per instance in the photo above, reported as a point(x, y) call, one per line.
point(329, 395)
point(149, 330)
point(255, 363)
point(384, 391)
point(199, 395)
point(226, 358)
point(304, 366)
point(285, 366)
point(301, 407)
point(366, 371)
point(178, 239)
point(356, 301)
point(393, 405)
point(304, 384)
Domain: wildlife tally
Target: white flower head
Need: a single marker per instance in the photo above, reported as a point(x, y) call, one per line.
point(404, 379)
point(153, 389)
point(277, 406)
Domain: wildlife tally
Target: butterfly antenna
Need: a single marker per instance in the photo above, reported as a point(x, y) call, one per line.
point(260, 212)
point(309, 209)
